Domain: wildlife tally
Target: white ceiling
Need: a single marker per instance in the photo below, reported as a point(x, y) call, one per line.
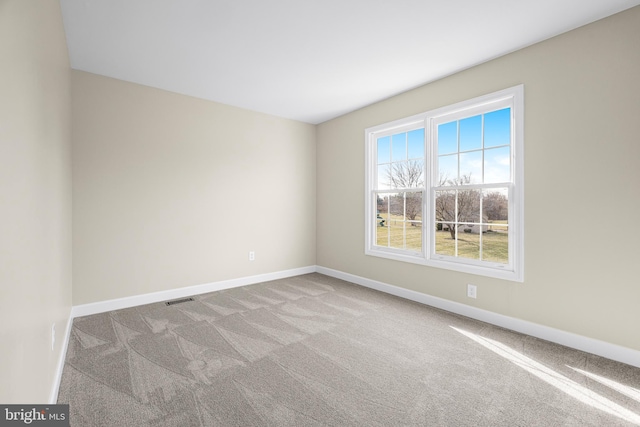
point(309, 60)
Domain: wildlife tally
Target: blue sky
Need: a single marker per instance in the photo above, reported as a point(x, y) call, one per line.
point(460, 145)
point(468, 155)
point(403, 144)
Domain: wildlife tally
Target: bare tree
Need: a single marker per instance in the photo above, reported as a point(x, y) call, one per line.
point(468, 204)
point(408, 174)
point(407, 204)
point(495, 206)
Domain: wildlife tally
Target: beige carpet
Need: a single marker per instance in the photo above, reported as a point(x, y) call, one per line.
point(317, 351)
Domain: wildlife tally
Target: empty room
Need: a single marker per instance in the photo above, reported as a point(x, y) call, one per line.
point(248, 213)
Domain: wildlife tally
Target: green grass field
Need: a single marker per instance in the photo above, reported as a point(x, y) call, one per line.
point(495, 243)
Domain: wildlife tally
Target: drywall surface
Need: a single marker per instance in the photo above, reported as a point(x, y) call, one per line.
point(35, 197)
point(172, 191)
point(582, 183)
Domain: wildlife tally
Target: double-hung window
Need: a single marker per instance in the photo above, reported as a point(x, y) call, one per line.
point(445, 188)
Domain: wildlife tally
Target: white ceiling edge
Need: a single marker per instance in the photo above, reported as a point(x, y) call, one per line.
point(309, 61)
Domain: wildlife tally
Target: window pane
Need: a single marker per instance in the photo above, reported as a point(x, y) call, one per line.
point(384, 153)
point(382, 230)
point(398, 221)
point(448, 138)
point(470, 168)
point(396, 206)
point(417, 173)
point(447, 169)
point(409, 174)
point(384, 181)
point(399, 147)
point(497, 128)
point(382, 204)
point(471, 133)
point(445, 243)
point(414, 221)
point(458, 228)
point(414, 237)
point(445, 206)
point(497, 165)
point(396, 234)
point(413, 207)
point(416, 143)
point(468, 242)
point(495, 240)
point(382, 220)
point(495, 244)
point(495, 206)
point(469, 206)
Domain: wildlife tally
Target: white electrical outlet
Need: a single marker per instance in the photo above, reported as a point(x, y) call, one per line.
point(252, 256)
point(472, 291)
point(53, 336)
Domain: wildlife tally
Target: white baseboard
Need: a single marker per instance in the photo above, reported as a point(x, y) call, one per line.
point(116, 304)
point(132, 301)
point(568, 339)
point(53, 397)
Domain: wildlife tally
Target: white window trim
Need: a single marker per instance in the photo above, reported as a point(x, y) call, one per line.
point(514, 96)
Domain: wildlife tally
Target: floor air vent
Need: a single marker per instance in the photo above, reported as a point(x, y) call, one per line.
point(178, 301)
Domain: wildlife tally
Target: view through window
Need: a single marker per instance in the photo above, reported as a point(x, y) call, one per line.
point(444, 188)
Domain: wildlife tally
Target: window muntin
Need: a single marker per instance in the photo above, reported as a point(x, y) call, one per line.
point(399, 221)
point(471, 177)
point(444, 188)
point(399, 188)
point(400, 160)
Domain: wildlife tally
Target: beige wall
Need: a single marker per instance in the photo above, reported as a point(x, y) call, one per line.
point(35, 197)
point(171, 191)
point(582, 192)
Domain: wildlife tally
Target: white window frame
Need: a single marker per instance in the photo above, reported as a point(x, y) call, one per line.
point(512, 97)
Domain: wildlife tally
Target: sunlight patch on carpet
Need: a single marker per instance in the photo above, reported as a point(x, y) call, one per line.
point(553, 378)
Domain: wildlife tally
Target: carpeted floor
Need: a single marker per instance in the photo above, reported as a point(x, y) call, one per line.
point(317, 351)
